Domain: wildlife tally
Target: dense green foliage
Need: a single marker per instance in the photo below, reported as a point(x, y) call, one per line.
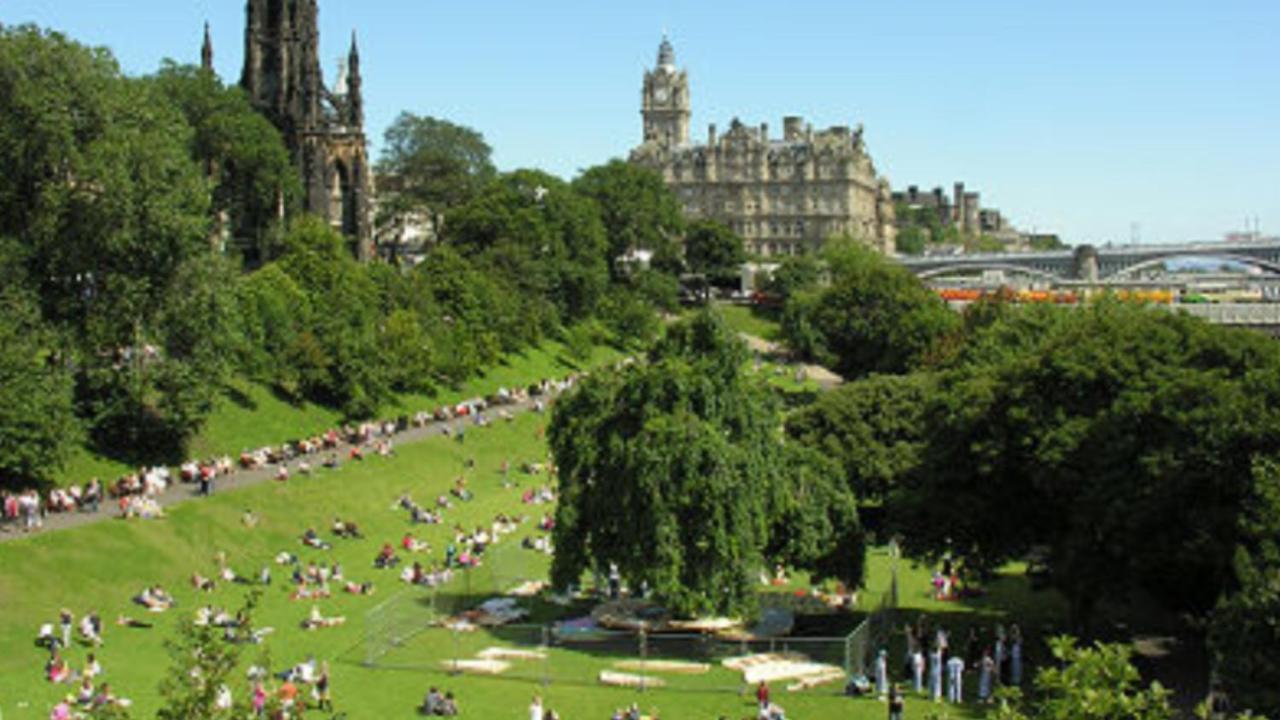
point(873, 428)
point(673, 469)
point(875, 316)
point(1119, 436)
point(1093, 683)
point(638, 211)
point(152, 255)
point(436, 165)
point(714, 252)
point(242, 155)
point(37, 422)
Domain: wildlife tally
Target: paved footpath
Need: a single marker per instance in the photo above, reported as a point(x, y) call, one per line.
point(181, 492)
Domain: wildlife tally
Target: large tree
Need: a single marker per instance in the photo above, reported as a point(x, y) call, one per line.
point(436, 165)
point(873, 427)
point(544, 240)
point(1120, 437)
point(243, 156)
point(673, 468)
point(713, 251)
point(37, 422)
point(639, 212)
point(874, 317)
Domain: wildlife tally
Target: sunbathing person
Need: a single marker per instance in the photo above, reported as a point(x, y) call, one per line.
point(126, 621)
point(364, 588)
point(412, 544)
point(155, 599)
point(201, 582)
point(311, 539)
point(315, 620)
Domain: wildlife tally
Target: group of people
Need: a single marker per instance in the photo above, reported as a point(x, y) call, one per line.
point(997, 659)
point(89, 692)
point(437, 704)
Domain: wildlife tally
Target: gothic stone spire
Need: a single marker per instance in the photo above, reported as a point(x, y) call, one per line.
point(206, 51)
point(355, 98)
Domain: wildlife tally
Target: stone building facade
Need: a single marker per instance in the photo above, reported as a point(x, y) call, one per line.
point(961, 209)
point(782, 195)
point(323, 127)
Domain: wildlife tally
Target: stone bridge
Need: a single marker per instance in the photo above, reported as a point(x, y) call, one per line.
point(1087, 263)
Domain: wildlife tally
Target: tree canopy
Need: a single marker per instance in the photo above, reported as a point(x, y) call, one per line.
point(875, 316)
point(1120, 437)
point(673, 469)
point(713, 251)
point(639, 212)
point(437, 165)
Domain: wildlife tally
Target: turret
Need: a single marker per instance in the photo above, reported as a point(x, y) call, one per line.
point(355, 98)
point(206, 51)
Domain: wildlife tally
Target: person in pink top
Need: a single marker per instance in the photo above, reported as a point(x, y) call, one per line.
point(61, 711)
point(259, 698)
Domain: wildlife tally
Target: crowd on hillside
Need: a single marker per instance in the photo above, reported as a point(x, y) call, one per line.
point(312, 581)
point(138, 494)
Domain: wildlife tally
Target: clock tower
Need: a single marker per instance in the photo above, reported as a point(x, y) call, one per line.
point(665, 101)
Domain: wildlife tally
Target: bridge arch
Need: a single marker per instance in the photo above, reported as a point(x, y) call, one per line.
point(1125, 271)
point(979, 267)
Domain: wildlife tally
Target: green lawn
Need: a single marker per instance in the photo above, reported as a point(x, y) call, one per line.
point(752, 321)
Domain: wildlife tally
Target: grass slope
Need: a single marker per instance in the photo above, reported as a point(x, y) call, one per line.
point(752, 321)
point(250, 415)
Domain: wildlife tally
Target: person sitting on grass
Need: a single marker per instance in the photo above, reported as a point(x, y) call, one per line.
point(431, 703)
point(282, 472)
point(386, 557)
point(84, 695)
point(91, 628)
point(200, 582)
point(106, 698)
point(311, 538)
point(92, 668)
point(57, 670)
point(345, 529)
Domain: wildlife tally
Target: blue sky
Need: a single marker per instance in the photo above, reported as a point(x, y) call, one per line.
point(1084, 117)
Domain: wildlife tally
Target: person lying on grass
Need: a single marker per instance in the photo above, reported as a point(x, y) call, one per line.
point(315, 620)
point(311, 538)
point(155, 599)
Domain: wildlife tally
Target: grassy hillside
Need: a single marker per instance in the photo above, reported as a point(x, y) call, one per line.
point(250, 415)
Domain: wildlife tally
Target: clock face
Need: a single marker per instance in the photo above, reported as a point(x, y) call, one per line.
point(660, 94)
